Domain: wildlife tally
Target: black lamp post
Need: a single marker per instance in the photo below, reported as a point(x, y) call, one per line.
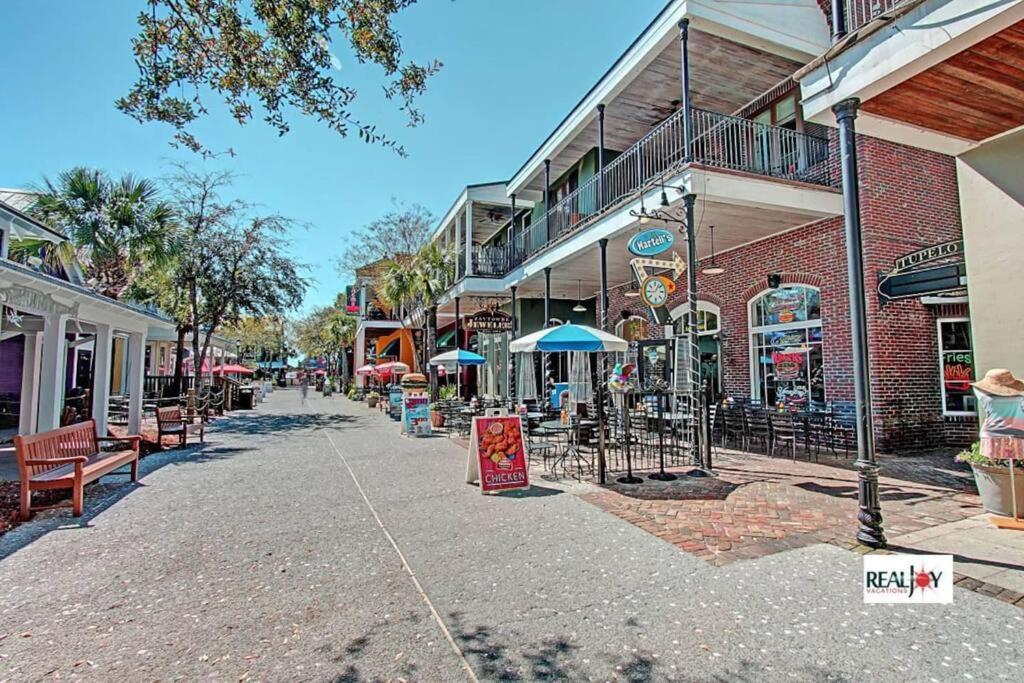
point(869, 516)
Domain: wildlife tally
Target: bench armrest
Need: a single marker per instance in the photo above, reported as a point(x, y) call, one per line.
point(134, 439)
point(56, 461)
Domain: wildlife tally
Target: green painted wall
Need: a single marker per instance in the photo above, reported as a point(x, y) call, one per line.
point(531, 313)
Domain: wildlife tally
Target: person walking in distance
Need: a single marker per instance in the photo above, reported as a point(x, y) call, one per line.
point(304, 387)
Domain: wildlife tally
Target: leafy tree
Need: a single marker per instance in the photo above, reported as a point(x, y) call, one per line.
point(260, 337)
point(119, 228)
point(432, 272)
point(396, 235)
point(326, 333)
point(231, 261)
point(268, 55)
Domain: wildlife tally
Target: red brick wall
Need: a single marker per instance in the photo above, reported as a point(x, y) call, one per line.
point(908, 201)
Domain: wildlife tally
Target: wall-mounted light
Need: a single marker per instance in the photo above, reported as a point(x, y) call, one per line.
point(774, 280)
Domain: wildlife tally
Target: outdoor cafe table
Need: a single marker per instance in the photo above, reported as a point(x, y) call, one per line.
point(571, 448)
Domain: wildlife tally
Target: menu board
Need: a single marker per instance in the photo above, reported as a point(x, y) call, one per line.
point(416, 415)
point(497, 454)
point(395, 403)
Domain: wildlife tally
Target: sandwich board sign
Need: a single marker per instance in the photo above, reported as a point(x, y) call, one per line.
point(497, 454)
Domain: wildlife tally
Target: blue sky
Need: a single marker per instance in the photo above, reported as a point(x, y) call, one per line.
point(512, 70)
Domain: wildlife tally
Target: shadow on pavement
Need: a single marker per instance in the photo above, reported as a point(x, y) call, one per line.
point(102, 494)
point(257, 424)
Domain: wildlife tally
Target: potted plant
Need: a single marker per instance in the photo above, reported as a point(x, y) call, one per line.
point(992, 478)
point(352, 393)
point(445, 393)
point(372, 398)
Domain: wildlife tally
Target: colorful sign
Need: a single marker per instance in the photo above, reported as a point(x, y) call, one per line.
point(788, 366)
point(416, 415)
point(351, 299)
point(498, 450)
point(958, 370)
point(488, 320)
point(653, 291)
point(395, 403)
point(651, 242)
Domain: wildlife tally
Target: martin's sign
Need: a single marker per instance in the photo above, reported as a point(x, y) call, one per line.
point(907, 280)
point(650, 242)
point(489, 320)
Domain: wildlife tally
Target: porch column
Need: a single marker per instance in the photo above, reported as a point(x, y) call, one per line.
point(684, 33)
point(359, 356)
point(600, 157)
point(549, 370)
point(458, 327)
point(136, 376)
point(51, 373)
point(512, 235)
point(547, 296)
point(870, 532)
point(469, 238)
point(29, 411)
point(103, 351)
point(838, 20)
point(459, 249)
point(547, 198)
point(691, 298)
point(602, 466)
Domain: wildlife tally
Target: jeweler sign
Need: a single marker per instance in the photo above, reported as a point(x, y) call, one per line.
point(908, 579)
point(489, 321)
point(497, 454)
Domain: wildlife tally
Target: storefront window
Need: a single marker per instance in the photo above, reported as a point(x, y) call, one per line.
point(956, 359)
point(786, 347)
point(633, 328)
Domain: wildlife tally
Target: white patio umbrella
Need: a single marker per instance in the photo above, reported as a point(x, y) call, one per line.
point(526, 384)
point(569, 337)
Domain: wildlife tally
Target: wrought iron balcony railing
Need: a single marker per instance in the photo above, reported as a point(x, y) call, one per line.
point(719, 140)
point(860, 12)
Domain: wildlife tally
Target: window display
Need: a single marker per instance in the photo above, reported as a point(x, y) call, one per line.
point(787, 365)
point(956, 361)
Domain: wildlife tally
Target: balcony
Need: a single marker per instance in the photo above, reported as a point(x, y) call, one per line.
point(719, 141)
point(860, 12)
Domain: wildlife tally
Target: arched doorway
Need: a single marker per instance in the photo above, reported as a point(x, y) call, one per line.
point(709, 327)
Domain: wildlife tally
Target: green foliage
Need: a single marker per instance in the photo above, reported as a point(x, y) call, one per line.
point(120, 228)
point(271, 55)
point(53, 257)
point(448, 392)
point(325, 332)
point(973, 456)
point(352, 392)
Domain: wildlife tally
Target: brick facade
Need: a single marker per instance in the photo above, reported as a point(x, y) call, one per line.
point(908, 201)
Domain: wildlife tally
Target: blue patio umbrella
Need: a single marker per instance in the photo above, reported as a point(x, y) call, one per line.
point(569, 337)
point(458, 357)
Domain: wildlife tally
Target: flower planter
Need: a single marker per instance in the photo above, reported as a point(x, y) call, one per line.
point(436, 419)
point(371, 401)
point(994, 488)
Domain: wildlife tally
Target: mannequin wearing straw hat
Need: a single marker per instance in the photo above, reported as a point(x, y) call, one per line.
point(1001, 398)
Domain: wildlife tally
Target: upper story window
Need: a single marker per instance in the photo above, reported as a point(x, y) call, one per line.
point(783, 112)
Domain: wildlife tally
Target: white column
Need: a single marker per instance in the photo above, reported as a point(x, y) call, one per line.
point(29, 411)
point(51, 373)
point(136, 374)
point(359, 356)
point(469, 238)
point(103, 355)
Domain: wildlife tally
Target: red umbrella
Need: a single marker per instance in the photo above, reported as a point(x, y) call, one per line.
point(232, 369)
point(384, 370)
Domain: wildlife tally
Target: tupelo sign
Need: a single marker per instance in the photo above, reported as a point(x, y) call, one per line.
point(488, 320)
point(935, 253)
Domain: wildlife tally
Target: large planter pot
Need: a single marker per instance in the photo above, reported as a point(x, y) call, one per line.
point(994, 488)
point(436, 419)
point(371, 401)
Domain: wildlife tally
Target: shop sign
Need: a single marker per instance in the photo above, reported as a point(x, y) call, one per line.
point(958, 370)
point(497, 454)
point(488, 320)
point(395, 403)
point(787, 365)
point(935, 253)
point(416, 415)
point(926, 282)
point(651, 242)
point(351, 299)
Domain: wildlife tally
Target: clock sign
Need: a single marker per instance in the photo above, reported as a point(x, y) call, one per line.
point(654, 292)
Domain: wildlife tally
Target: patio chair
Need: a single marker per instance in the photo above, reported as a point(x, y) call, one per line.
point(734, 428)
point(758, 428)
point(784, 434)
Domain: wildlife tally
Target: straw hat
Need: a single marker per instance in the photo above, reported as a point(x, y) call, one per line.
point(1000, 382)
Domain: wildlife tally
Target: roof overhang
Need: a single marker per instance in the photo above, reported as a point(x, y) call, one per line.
point(793, 30)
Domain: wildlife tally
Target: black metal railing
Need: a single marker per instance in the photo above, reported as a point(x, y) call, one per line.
point(718, 140)
point(860, 12)
point(159, 385)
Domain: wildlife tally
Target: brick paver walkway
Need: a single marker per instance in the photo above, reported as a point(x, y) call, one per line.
point(757, 505)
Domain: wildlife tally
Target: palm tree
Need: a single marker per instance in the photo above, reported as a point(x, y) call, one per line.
point(397, 286)
point(431, 273)
point(119, 228)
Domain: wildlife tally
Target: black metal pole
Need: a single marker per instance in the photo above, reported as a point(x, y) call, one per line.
point(691, 319)
point(838, 20)
point(684, 58)
point(603, 321)
point(629, 478)
point(546, 357)
point(511, 251)
point(600, 157)
point(870, 531)
point(547, 200)
point(512, 336)
point(661, 474)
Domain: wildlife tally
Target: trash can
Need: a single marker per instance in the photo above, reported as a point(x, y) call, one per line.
point(245, 398)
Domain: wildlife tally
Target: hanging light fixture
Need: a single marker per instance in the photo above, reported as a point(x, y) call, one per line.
point(713, 268)
point(579, 307)
point(664, 198)
point(644, 218)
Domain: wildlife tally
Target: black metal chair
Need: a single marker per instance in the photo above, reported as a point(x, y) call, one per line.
point(784, 434)
point(758, 428)
point(733, 428)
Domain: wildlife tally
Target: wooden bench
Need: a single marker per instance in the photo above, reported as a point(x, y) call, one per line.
point(69, 458)
point(171, 422)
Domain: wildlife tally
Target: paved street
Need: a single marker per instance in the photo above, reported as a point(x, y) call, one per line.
point(315, 543)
